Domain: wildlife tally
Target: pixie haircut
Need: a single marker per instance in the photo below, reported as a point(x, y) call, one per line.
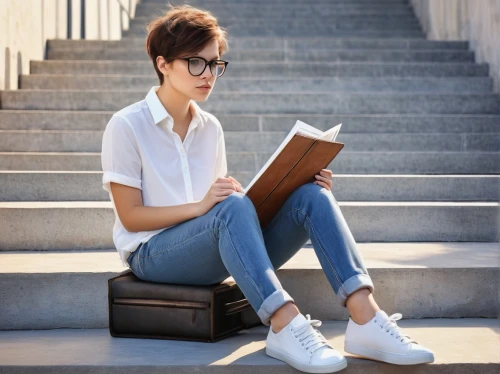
point(182, 31)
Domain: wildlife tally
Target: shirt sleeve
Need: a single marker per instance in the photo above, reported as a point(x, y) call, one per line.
point(221, 162)
point(120, 158)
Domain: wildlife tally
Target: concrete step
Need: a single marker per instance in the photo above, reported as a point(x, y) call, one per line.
point(87, 186)
point(352, 123)
point(148, 10)
point(319, 84)
point(266, 102)
point(291, 9)
point(276, 69)
point(368, 221)
point(311, 6)
point(278, 31)
point(281, 2)
point(306, 27)
point(332, 20)
point(319, 55)
point(473, 349)
point(253, 141)
point(276, 43)
point(63, 350)
point(462, 278)
point(345, 163)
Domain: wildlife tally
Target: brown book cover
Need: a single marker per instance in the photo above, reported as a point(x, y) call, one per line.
point(300, 157)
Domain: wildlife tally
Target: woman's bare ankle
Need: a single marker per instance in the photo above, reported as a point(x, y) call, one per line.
point(283, 316)
point(362, 306)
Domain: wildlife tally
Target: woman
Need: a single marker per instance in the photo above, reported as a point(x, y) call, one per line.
point(180, 220)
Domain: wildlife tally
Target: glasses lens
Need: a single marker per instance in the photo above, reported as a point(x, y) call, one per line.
point(218, 68)
point(196, 65)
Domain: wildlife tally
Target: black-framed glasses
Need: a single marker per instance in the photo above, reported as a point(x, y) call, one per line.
point(197, 65)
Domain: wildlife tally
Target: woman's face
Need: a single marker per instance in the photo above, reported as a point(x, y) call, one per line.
point(177, 75)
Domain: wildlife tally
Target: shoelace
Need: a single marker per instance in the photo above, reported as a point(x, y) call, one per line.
point(305, 331)
point(391, 326)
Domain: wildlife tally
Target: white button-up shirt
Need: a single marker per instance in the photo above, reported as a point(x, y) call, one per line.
point(141, 150)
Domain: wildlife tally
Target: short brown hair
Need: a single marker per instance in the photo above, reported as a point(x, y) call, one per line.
point(182, 30)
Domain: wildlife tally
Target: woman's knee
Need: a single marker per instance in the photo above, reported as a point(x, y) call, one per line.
point(237, 203)
point(237, 200)
point(313, 193)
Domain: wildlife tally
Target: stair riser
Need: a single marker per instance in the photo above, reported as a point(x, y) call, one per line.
point(284, 32)
point(277, 43)
point(278, 2)
point(285, 13)
point(259, 103)
point(455, 293)
point(305, 25)
point(78, 141)
point(344, 163)
point(400, 223)
point(274, 70)
point(276, 56)
point(334, 20)
point(88, 187)
point(83, 120)
point(328, 85)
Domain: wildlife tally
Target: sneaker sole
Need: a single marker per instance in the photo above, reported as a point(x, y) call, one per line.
point(304, 367)
point(387, 357)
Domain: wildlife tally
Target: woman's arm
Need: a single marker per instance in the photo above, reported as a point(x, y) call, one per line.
point(137, 217)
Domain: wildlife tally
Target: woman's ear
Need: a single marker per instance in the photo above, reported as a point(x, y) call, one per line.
point(162, 65)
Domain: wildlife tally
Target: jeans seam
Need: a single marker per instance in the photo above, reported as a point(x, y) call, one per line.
point(267, 229)
point(140, 267)
point(239, 258)
point(321, 247)
point(176, 245)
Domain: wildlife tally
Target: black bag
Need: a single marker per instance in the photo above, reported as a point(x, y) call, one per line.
point(140, 309)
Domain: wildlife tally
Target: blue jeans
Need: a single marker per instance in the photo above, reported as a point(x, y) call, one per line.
point(228, 241)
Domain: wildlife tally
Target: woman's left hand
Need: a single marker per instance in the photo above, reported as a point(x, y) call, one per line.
point(324, 178)
point(237, 184)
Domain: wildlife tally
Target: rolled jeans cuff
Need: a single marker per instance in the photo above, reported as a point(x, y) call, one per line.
point(271, 304)
point(353, 284)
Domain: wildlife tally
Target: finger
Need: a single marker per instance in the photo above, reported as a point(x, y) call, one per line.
point(227, 185)
point(235, 180)
point(236, 184)
point(323, 185)
point(328, 183)
point(327, 172)
point(223, 180)
point(322, 178)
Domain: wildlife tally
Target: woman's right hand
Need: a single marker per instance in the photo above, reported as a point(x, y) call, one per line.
point(219, 191)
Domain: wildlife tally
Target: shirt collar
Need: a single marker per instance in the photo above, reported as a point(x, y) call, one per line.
point(159, 112)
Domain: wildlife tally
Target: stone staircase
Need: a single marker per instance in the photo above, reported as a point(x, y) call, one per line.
point(418, 182)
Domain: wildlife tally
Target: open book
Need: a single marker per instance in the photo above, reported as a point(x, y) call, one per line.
point(302, 154)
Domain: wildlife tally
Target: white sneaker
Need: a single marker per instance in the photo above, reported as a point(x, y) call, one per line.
point(304, 347)
point(381, 339)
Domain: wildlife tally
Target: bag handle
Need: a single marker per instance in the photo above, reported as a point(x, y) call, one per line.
point(236, 306)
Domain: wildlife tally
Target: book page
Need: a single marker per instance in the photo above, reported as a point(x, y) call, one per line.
point(331, 134)
point(302, 128)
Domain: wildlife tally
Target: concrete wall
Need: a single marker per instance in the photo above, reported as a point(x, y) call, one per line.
point(477, 21)
point(25, 26)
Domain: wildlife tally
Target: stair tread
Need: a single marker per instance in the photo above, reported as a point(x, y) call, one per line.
point(107, 204)
point(385, 255)
point(454, 341)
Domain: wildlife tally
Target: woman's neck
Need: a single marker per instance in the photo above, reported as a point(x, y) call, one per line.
point(177, 105)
